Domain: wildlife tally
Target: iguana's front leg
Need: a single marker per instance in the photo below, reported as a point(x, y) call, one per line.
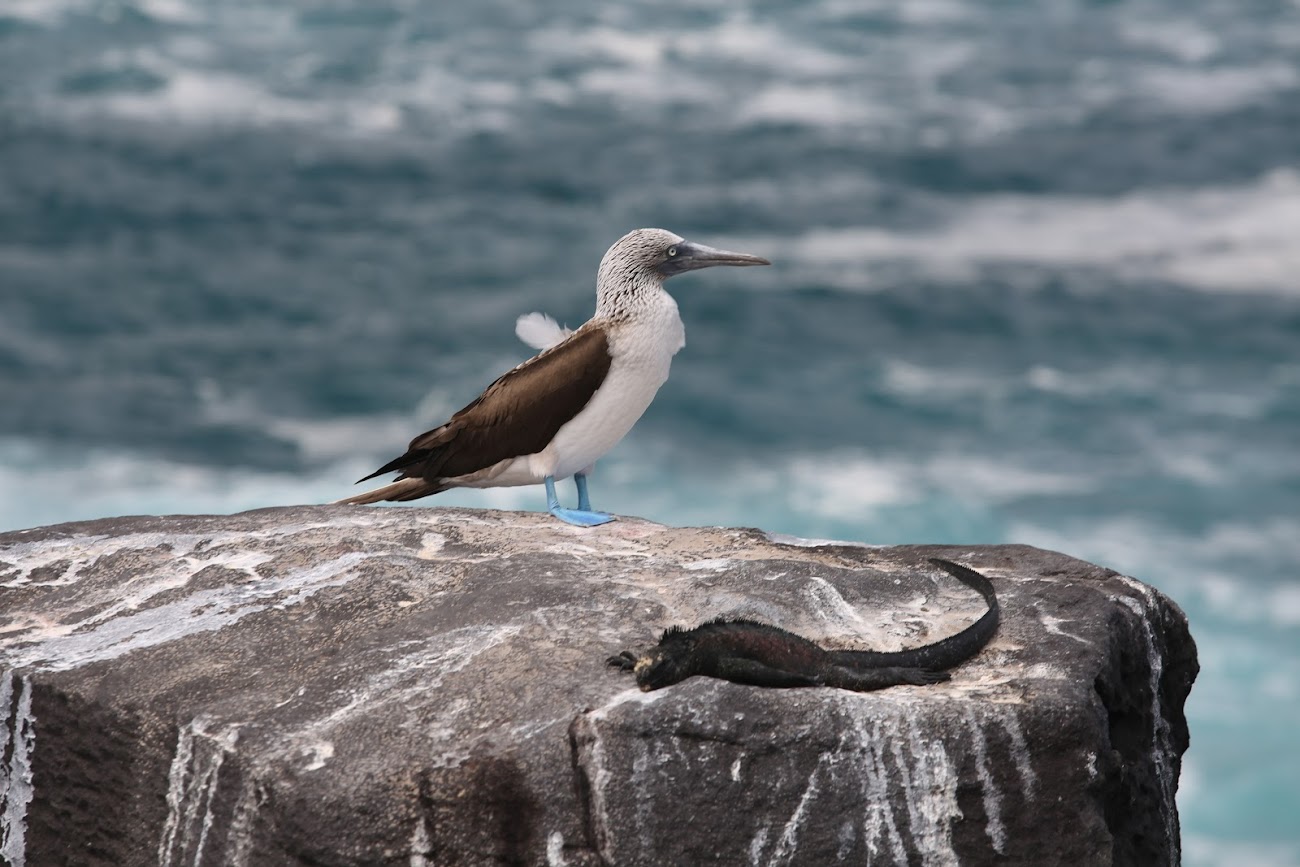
point(754, 673)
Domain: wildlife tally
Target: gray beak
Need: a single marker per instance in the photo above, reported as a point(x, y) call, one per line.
point(692, 257)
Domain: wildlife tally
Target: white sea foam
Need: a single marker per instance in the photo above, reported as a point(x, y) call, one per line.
point(736, 39)
point(43, 11)
point(794, 75)
point(630, 48)
point(119, 483)
point(1184, 39)
point(171, 11)
point(51, 12)
point(1202, 850)
point(829, 485)
point(1227, 238)
point(1214, 90)
point(1000, 481)
point(193, 95)
point(913, 380)
point(740, 39)
point(850, 483)
point(1160, 382)
point(1208, 567)
point(847, 484)
point(196, 91)
point(811, 104)
point(123, 484)
point(324, 439)
point(635, 58)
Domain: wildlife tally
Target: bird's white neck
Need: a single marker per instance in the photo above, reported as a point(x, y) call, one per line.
point(623, 293)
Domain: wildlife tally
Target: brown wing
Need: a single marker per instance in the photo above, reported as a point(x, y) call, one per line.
point(518, 414)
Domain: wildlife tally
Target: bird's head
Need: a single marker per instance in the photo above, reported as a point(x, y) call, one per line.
point(642, 259)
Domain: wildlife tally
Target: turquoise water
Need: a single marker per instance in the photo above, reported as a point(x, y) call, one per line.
point(1036, 279)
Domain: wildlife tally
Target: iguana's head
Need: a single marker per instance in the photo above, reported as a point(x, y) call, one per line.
point(659, 667)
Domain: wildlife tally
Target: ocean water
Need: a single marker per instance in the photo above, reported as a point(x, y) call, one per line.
point(1037, 279)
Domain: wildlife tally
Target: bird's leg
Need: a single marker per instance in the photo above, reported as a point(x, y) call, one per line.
point(579, 517)
point(552, 499)
point(584, 501)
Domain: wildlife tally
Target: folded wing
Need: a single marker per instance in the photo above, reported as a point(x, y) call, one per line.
point(517, 415)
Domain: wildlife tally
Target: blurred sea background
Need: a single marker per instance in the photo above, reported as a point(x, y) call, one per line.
point(1037, 279)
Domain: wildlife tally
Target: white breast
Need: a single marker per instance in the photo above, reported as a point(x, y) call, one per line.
point(642, 351)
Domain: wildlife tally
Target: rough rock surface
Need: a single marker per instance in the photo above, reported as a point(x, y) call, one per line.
point(340, 686)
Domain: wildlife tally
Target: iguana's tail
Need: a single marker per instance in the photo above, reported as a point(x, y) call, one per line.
point(947, 652)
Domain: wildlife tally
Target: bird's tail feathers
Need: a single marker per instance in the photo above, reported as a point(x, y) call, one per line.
point(398, 491)
point(412, 456)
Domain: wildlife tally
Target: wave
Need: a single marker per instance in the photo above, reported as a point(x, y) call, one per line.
point(1236, 238)
point(92, 484)
point(892, 82)
point(1207, 571)
point(809, 494)
point(50, 13)
point(1203, 850)
point(1215, 91)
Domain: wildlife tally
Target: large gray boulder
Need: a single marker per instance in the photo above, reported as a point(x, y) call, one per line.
point(347, 686)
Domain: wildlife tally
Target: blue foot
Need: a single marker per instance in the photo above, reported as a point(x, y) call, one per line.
point(579, 518)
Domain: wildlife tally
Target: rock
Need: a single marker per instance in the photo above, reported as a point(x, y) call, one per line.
point(338, 686)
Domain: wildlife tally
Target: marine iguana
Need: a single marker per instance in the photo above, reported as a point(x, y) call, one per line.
point(745, 651)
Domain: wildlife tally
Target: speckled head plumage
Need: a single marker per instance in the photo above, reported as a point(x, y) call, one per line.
point(634, 268)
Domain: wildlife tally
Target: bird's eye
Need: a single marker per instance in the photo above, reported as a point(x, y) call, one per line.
point(672, 251)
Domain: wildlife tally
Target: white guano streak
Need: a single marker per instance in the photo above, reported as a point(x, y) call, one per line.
point(73, 644)
point(788, 843)
point(239, 837)
point(996, 831)
point(887, 755)
point(1162, 751)
point(555, 850)
point(879, 821)
point(931, 787)
point(1020, 752)
point(192, 785)
point(873, 777)
point(18, 740)
point(598, 773)
point(421, 842)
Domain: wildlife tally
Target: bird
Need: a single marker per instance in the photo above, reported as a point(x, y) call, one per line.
point(553, 416)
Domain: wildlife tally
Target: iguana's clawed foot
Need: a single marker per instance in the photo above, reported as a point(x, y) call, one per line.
point(625, 661)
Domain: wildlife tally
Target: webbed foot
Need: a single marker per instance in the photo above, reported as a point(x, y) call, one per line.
point(579, 518)
point(582, 516)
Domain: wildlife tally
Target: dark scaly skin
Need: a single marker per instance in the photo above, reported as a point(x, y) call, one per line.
point(758, 654)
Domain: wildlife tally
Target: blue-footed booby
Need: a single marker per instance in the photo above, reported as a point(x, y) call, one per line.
point(559, 412)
